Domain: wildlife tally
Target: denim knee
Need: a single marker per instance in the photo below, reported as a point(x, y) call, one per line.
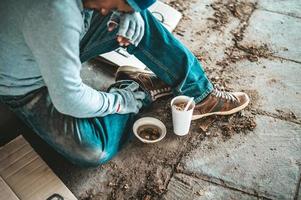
point(90, 157)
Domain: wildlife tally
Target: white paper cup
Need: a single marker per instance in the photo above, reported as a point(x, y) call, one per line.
point(181, 120)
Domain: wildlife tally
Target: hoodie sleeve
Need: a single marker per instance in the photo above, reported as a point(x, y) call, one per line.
point(52, 31)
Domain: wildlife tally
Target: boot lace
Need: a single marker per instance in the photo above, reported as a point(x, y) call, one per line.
point(225, 95)
point(157, 91)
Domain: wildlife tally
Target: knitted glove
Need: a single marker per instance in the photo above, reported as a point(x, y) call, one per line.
point(130, 99)
point(131, 26)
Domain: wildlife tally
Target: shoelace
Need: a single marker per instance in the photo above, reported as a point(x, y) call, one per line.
point(159, 91)
point(224, 95)
point(155, 92)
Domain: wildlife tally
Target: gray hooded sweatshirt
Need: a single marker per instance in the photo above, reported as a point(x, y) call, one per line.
point(39, 46)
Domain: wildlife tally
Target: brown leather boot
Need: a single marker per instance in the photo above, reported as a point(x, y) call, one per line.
point(146, 79)
point(220, 103)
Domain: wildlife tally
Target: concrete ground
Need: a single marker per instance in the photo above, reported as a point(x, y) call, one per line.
point(251, 46)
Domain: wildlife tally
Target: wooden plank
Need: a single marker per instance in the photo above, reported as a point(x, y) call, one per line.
point(5, 192)
point(27, 175)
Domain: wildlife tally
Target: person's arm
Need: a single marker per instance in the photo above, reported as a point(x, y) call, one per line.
point(53, 34)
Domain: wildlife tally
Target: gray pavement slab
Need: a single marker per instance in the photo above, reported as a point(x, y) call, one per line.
point(265, 162)
point(280, 32)
point(200, 37)
point(288, 7)
point(274, 85)
point(186, 187)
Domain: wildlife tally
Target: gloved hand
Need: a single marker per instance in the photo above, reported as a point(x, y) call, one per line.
point(114, 20)
point(130, 99)
point(131, 26)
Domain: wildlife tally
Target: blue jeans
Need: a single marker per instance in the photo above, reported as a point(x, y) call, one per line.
point(93, 141)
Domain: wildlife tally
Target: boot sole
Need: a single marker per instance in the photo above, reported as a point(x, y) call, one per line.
point(234, 110)
point(162, 95)
point(132, 69)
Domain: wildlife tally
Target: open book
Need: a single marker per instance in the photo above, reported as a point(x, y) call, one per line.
point(165, 14)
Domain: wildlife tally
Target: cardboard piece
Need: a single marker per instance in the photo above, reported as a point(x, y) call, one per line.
point(167, 15)
point(6, 192)
point(25, 176)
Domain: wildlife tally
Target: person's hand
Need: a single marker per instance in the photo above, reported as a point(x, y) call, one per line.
point(130, 98)
point(113, 23)
point(131, 27)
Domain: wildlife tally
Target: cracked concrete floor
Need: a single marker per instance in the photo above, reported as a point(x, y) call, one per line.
point(253, 46)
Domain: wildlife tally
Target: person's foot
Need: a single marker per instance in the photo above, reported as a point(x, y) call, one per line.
point(146, 79)
point(220, 103)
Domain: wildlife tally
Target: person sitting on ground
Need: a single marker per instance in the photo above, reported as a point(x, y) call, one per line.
point(44, 42)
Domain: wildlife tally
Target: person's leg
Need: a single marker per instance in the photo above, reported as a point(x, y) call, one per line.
point(83, 141)
point(159, 50)
point(170, 60)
